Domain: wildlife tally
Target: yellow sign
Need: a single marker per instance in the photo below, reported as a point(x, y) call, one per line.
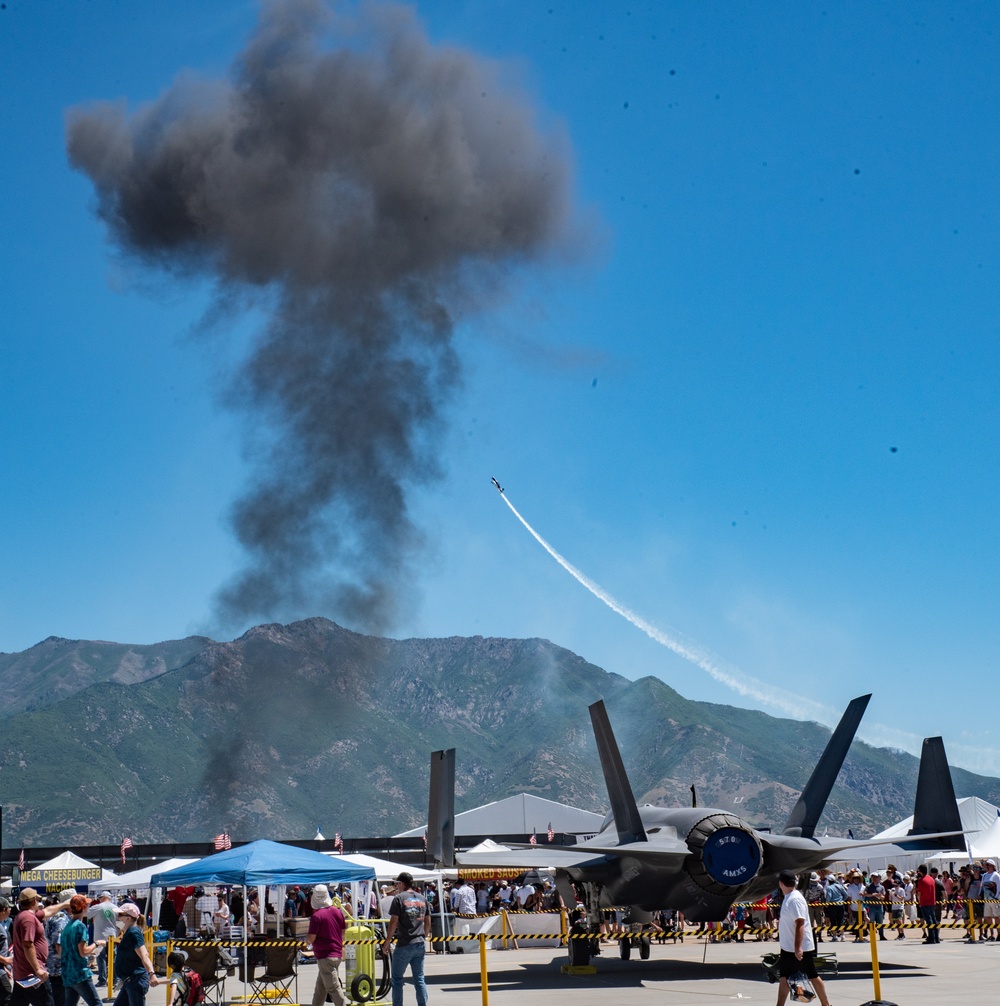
point(489, 873)
point(66, 878)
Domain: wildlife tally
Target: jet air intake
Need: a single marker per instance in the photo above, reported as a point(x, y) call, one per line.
point(725, 854)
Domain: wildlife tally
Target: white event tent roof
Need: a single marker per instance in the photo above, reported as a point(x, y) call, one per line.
point(385, 869)
point(983, 845)
point(521, 815)
point(137, 880)
point(978, 818)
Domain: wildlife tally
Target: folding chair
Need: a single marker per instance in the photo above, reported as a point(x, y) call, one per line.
point(256, 957)
point(204, 960)
point(274, 985)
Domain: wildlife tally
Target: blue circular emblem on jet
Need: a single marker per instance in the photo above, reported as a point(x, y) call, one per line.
point(731, 856)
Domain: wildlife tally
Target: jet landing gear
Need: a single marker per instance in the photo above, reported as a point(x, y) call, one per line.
point(638, 941)
point(583, 944)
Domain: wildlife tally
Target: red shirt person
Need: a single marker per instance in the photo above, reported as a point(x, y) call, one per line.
point(927, 905)
point(326, 936)
point(30, 950)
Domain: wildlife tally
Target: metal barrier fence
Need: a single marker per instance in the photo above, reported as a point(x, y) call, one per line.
point(974, 926)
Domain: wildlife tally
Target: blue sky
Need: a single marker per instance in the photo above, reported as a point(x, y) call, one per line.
point(758, 408)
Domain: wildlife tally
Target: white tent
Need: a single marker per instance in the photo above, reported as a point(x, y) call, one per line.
point(387, 870)
point(978, 817)
point(982, 845)
point(987, 843)
point(137, 880)
point(488, 845)
point(521, 815)
point(66, 870)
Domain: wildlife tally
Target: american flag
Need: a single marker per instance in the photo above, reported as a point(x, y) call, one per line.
point(126, 845)
point(338, 842)
point(20, 860)
point(534, 839)
point(551, 833)
point(222, 842)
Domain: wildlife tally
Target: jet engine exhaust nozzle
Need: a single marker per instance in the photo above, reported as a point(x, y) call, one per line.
point(725, 853)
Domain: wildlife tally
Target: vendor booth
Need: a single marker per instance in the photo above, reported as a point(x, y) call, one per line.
point(66, 870)
point(262, 864)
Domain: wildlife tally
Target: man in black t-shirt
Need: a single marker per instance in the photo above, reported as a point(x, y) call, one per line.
point(409, 920)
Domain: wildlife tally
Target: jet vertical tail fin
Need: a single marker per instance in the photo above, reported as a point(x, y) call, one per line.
point(623, 805)
point(935, 809)
point(441, 808)
point(806, 813)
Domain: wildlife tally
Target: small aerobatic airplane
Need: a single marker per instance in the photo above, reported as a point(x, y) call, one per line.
point(701, 860)
point(497, 484)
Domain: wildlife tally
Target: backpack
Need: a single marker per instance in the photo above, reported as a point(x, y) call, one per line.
point(195, 988)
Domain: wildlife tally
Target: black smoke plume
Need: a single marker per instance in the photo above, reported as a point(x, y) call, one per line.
point(372, 189)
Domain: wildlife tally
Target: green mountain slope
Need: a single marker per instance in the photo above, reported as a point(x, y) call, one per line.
point(56, 668)
point(290, 727)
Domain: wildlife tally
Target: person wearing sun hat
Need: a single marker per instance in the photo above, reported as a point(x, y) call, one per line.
point(326, 937)
point(132, 963)
point(30, 950)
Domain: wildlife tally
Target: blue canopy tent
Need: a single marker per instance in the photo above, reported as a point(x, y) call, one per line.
point(261, 864)
point(264, 863)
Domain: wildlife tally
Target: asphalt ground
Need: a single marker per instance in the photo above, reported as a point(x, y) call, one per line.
point(696, 973)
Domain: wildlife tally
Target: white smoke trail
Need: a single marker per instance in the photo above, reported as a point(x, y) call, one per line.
point(796, 706)
point(722, 671)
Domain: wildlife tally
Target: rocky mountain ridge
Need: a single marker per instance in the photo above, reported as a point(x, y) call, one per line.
point(296, 726)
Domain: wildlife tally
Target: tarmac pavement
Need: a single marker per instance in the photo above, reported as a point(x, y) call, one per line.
point(695, 973)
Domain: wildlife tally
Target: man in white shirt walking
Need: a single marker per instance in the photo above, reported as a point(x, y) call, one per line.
point(795, 938)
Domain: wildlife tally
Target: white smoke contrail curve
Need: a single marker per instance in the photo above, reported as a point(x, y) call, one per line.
point(796, 706)
point(722, 671)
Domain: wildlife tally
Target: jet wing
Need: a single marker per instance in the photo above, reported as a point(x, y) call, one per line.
point(537, 856)
point(937, 823)
point(660, 848)
point(789, 852)
point(669, 853)
point(652, 852)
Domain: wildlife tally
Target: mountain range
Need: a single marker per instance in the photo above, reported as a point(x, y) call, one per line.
point(293, 727)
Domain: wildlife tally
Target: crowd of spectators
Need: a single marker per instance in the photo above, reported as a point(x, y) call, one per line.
point(52, 950)
point(844, 905)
